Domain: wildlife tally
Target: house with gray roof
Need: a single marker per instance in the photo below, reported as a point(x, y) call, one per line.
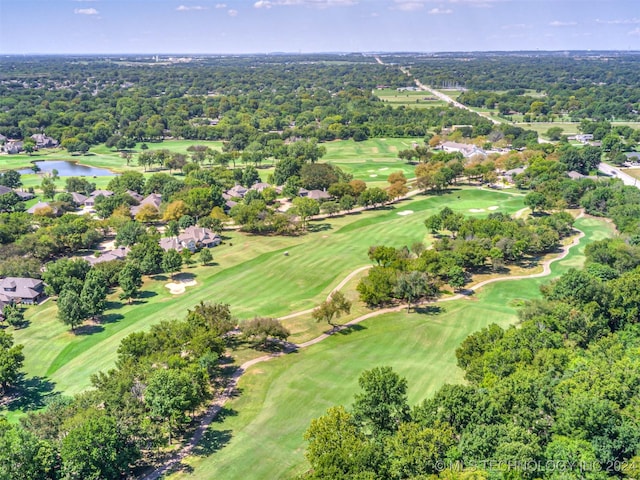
point(119, 253)
point(42, 206)
point(12, 146)
point(21, 290)
point(260, 186)
point(153, 199)
point(237, 191)
point(318, 195)
point(193, 238)
point(91, 201)
point(22, 195)
point(43, 141)
point(78, 198)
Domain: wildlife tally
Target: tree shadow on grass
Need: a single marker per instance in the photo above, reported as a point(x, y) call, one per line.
point(111, 318)
point(347, 329)
point(429, 310)
point(214, 440)
point(318, 227)
point(83, 330)
point(31, 394)
point(160, 278)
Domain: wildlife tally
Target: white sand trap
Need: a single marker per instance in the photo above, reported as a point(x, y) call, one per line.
point(405, 212)
point(383, 168)
point(476, 210)
point(495, 207)
point(178, 287)
point(374, 175)
point(370, 171)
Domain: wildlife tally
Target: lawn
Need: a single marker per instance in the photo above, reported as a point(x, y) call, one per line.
point(408, 99)
point(251, 273)
point(259, 435)
point(634, 172)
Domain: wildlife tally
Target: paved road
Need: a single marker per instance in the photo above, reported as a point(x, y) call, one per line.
point(617, 173)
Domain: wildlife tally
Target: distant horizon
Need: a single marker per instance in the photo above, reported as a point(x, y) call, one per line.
point(233, 27)
point(292, 53)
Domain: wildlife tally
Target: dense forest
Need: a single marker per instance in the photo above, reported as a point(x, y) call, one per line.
point(81, 103)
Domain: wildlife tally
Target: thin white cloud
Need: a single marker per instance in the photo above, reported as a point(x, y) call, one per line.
point(635, 31)
point(440, 11)
point(304, 3)
point(407, 5)
point(558, 23)
point(221, 5)
point(515, 26)
point(623, 21)
point(413, 5)
point(190, 8)
point(232, 13)
point(86, 11)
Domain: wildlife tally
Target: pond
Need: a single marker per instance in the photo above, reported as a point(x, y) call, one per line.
point(69, 169)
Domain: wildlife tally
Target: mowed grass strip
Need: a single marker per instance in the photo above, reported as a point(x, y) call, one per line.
point(251, 273)
point(259, 435)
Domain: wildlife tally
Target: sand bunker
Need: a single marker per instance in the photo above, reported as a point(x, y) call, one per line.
point(178, 287)
point(374, 175)
point(405, 212)
point(476, 210)
point(383, 168)
point(495, 207)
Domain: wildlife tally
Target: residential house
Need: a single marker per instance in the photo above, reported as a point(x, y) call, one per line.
point(13, 146)
point(23, 195)
point(319, 195)
point(43, 141)
point(510, 174)
point(237, 192)
point(119, 253)
point(135, 195)
point(633, 157)
point(584, 137)
point(42, 206)
point(153, 199)
point(193, 238)
point(78, 199)
point(91, 201)
point(468, 150)
point(21, 290)
point(260, 186)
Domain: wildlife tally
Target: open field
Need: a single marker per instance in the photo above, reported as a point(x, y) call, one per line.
point(251, 274)
point(260, 433)
point(408, 99)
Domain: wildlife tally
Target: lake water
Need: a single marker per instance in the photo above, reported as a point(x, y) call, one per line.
point(69, 169)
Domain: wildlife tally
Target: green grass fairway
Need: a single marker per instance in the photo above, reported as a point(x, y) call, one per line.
point(260, 433)
point(408, 99)
point(252, 275)
point(372, 160)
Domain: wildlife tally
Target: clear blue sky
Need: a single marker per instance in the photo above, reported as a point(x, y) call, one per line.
point(257, 26)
